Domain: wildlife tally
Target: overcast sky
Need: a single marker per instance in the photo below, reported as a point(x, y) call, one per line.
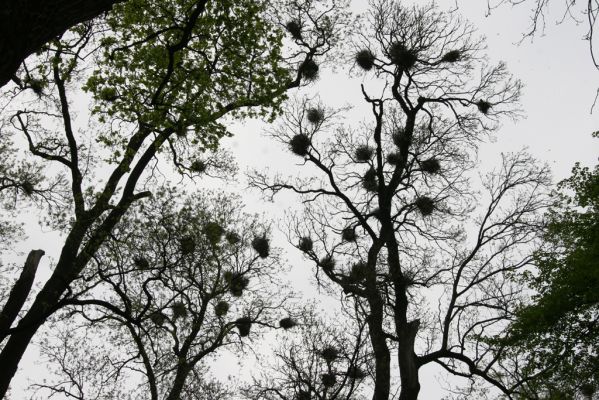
point(560, 84)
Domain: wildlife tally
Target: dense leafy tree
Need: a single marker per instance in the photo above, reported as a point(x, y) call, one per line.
point(559, 329)
point(391, 216)
point(162, 78)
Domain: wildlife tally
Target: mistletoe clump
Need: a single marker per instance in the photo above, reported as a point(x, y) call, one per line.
point(237, 283)
point(348, 234)
point(232, 238)
point(369, 181)
point(483, 106)
point(221, 308)
point(261, 246)
point(364, 153)
point(425, 205)
point(305, 244)
point(401, 56)
point(141, 262)
point(430, 166)
point(309, 70)
point(244, 325)
point(27, 187)
point(327, 263)
point(393, 158)
point(295, 29)
point(315, 115)
point(358, 271)
point(401, 138)
point(287, 323)
point(365, 59)
point(198, 166)
point(214, 232)
point(329, 379)
point(187, 245)
point(157, 318)
point(179, 310)
point(329, 354)
point(300, 144)
point(452, 56)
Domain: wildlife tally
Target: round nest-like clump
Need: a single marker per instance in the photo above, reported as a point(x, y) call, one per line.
point(355, 373)
point(309, 70)
point(587, 390)
point(329, 353)
point(244, 324)
point(157, 318)
point(295, 29)
point(393, 158)
point(364, 153)
point(327, 263)
point(300, 144)
point(365, 59)
point(315, 115)
point(27, 187)
point(305, 244)
point(261, 246)
point(349, 234)
point(179, 310)
point(237, 283)
point(198, 166)
point(329, 379)
point(358, 272)
point(214, 232)
point(452, 56)
point(304, 395)
point(287, 323)
point(221, 308)
point(401, 139)
point(232, 238)
point(369, 181)
point(401, 56)
point(141, 262)
point(431, 166)
point(483, 106)
point(187, 245)
point(425, 205)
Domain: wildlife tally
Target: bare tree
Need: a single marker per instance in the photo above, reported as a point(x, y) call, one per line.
point(318, 359)
point(179, 279)
point(394, 218)
point(162, 80)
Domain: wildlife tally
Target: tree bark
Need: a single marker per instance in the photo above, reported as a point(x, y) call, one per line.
point(26, 25)
point(19, 292)
point(408, 362)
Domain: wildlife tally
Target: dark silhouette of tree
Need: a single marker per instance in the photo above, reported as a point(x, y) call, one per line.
point(391, 216)
point(557, 330)
point(317, 359)
point(162, 79)
point(170, 288)
point(26, 26)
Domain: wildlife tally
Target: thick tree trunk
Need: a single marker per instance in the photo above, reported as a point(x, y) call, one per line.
point(20, 291)
point(25, 25)
point(408, 362)
point(19, 341)
point(382, 357)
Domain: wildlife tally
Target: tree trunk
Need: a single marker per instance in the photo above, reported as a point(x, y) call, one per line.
point(26, 25)
point(382, 356)
point(18, 294)
point(408, 362)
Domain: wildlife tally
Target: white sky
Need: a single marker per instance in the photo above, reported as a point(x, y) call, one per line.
point(560, 84)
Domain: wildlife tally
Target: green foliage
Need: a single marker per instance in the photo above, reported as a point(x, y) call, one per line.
point(559, 328)
point(170, 67)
